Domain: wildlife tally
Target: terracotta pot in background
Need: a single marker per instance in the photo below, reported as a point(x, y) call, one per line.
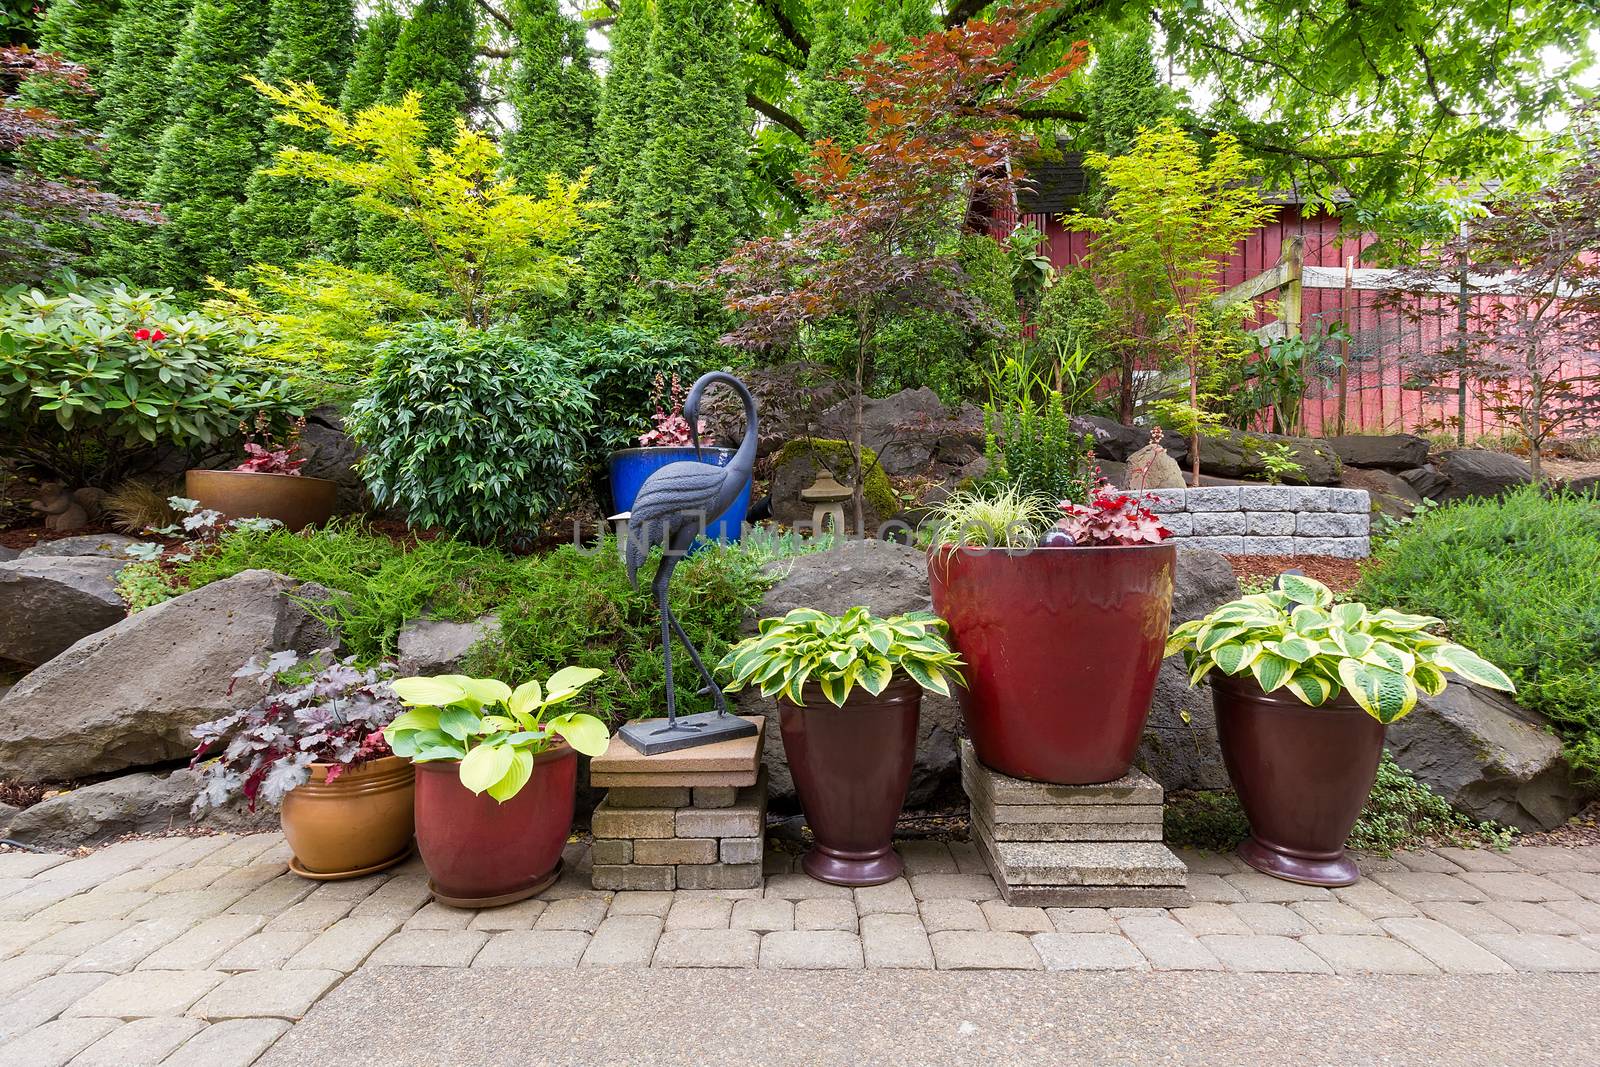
point(851, 767)
point(1302, 775)
point(481, 853)
point(293, 499)
point(360, 823)
point(1062, 648)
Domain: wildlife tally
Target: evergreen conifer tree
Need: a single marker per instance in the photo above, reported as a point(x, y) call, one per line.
point(136, 90)
point(364, 86)
point(311, 41)
point(78, 30)
point(611, 256)
point(690, 207)
point(210, 148)
point(554, 92)
point(1124, 95)
point(434, 55)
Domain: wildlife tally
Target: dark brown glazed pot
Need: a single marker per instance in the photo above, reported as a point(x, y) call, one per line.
point(359, 823)
point(293, 499)
point(481, 853)
point(1062, 648)
point(1302, 775)
point(851, 767)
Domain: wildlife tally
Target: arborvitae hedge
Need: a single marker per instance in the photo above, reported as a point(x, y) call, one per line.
point(554, 92)
point(434, 55)
point(364, 86)
point(611, 256)
point(691, 205)
point(136, 90)
point(311, 41)
point(212, 145)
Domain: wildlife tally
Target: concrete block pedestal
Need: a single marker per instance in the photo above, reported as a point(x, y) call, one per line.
point(1073, 846)
point(690, 819)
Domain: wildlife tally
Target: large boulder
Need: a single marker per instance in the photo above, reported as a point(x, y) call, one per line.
point(1395, 451)
point(1489, 757)
point(435, 646)
point(1149, 468)
point(1117, 441)
point(1389, 493)
point(142, 803)
point(912, 430)
point(129, 695)
point(1179, 746)
point(1477, 472)
point(1236, 454)
point(1426, 481)
point(330, 453)
point(890, 579)
point(1590, 484)
point(105, 545)
point(49, 602)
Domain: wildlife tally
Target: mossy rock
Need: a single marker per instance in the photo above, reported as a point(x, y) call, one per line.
point(796, 466)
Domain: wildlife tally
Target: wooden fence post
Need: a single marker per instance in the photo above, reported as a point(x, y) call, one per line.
point(1289, 307)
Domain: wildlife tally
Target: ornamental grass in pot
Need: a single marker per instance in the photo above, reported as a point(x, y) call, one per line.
point(1061, 627)
point(1304, 690)
point(496, 776)
point(314, 745)
point(849, 691)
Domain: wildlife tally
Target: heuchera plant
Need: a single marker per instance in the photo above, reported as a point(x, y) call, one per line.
point(316, 710)
point(1109, 518)
point(671, 429)
point(263, 460)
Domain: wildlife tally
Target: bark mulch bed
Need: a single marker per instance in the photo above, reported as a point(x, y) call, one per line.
point(1340, 575)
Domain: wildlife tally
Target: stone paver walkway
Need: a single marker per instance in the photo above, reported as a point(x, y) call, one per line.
point(205, 950)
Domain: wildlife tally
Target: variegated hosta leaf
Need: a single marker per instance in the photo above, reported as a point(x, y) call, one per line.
point(1293, 648)
point(1472, 667)
point(1271, 672)
point(1214, 636)
point(1383, 654)
point(1353, 645)
point(1233, 659)
point(1311, 688)
point(1303, 590)
point(875, 675)
point(1399, 620)
point(1348, 616)
point(1429, 680)
point(932, 680)
point(1310, 620)
point(834, 689)
point(1386, 695)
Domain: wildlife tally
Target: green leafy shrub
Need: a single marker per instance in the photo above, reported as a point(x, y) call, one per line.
point(1032, 447)
point(476, 431)
point(570, 607)
point(1071, 336)
point(1400, 813)
point(93, 374)
point(1518, 579)
point(618, 364)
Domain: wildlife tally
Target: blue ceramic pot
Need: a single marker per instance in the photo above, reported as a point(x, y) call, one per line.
point(631, 466)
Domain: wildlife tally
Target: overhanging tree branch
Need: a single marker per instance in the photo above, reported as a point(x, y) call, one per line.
point(963, 10)
point(776, 114)
point(785, 25)
point(499, 16)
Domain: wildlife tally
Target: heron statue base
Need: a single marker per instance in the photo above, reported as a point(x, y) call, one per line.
point(655, 736)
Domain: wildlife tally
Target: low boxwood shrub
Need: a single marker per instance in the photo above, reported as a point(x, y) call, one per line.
point(1518, 580)
point(480, 432)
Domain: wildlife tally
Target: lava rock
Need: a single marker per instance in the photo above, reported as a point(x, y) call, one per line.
point(1390, 493)
point(1488, 756)
point(1395, 452)
point(1179, 747)
point(911, 430)
point(129, 695)
point(1116, 441)
point(1426, 481)
point(108, 546)
point(889, 579)
point(435, 646)
point(330, 453)
point(1477, 472)
point(47, 603)
point(139, 803)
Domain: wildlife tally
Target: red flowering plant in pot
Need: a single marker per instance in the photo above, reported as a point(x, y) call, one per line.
point(1062, 627)
point(267, 485)
point(313, 745)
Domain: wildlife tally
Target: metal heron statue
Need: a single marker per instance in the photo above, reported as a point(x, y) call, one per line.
point(674, 506)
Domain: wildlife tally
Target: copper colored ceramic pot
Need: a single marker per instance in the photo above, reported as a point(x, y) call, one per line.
point(1302, 775)
point(851, 767)
point(359, 823)
point(481, 853)
point(293, 499)
point(1062, 648)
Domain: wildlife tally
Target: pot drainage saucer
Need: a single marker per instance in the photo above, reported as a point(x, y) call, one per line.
point(339, 876)
point(504, 898)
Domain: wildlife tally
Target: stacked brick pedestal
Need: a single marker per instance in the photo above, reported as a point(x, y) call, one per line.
point(1074, 846)
point(691, 819)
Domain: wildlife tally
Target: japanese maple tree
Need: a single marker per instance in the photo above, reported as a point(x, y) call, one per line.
point(942, 120)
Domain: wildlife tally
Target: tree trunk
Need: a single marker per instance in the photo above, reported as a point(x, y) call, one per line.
point(858, 419)
point(1194, 433)
point(1125, 392)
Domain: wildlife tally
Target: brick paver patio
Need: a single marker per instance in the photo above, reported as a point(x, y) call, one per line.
point(205, 950)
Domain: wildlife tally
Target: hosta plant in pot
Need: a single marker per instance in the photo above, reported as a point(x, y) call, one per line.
point(496, 774)
point(1304, 689)
point(314, 746)
point(267, 485)
point(1061, 627)
point(849, 690)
